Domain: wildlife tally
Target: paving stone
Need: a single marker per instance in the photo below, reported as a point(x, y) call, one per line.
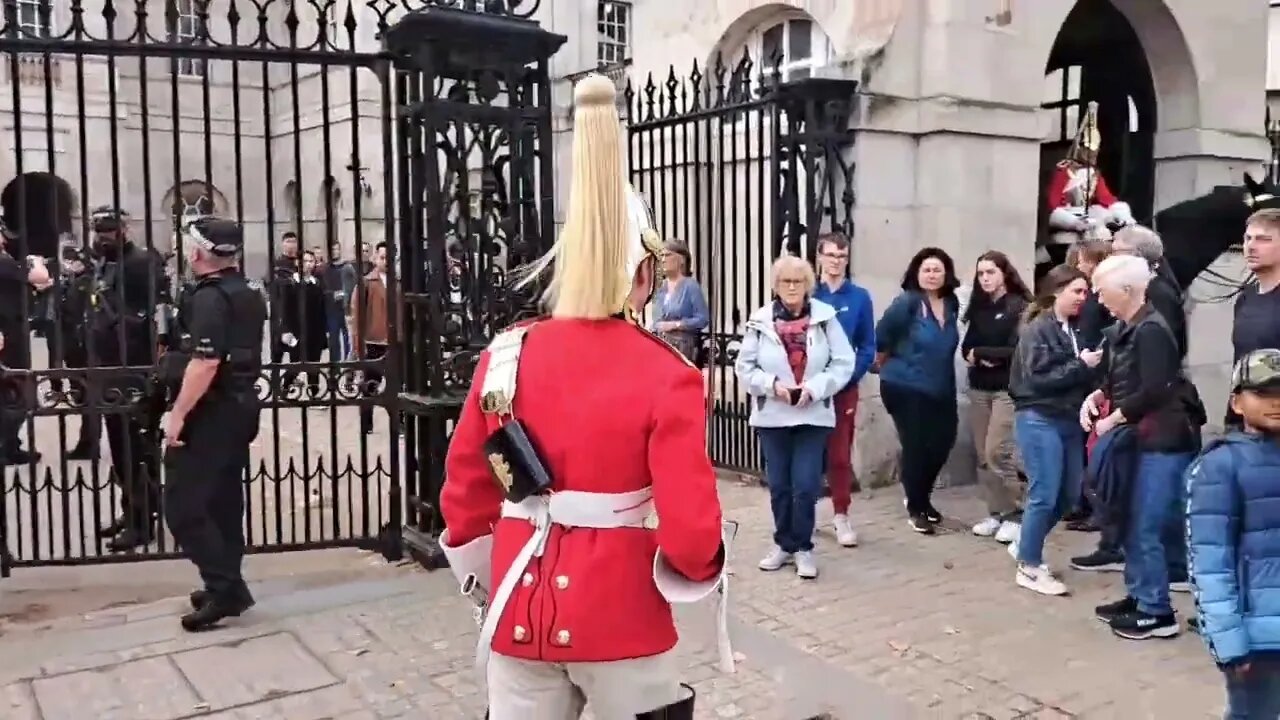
point(151, 689)
point(18, 702)
point(324, 704)
point(255, 670)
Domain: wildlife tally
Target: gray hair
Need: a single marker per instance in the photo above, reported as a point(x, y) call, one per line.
point(1143, 241)
point(1127, 273)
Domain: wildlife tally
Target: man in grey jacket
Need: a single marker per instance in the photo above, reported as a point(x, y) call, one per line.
point(339, 279)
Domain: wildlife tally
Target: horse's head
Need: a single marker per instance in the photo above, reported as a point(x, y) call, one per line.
point(1197, 231)
point(1261, 195)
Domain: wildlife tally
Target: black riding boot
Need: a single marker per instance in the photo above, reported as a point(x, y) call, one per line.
point(679, 710)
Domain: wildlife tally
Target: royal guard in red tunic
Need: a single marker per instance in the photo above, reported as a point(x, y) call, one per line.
point(579, 498)
point(1081, 206)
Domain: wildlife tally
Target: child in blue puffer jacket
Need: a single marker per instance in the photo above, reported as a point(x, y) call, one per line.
point(1233, 528)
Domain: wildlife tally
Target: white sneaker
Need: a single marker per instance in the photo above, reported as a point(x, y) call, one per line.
point(775, 560)
point(806, 568)
point(1008, 532)
point(845, 534)
point(1039, 579)
point(987, 527)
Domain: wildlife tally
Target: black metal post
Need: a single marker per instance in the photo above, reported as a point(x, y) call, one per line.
point(475, 138)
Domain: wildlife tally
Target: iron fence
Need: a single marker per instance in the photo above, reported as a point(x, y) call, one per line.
point(742, 168)
point(317, 118)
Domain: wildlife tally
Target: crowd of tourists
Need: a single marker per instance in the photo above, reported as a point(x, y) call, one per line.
point(1079, 409)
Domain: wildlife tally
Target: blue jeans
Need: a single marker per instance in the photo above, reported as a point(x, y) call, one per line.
point(1053, 454)
point(793, 468)
point(1155, 542)
point(1256, 696)
point(339, 337)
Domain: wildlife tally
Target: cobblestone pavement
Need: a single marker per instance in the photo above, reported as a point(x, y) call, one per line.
point(902, 626)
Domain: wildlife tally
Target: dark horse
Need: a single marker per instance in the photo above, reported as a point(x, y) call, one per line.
point(1198, 231)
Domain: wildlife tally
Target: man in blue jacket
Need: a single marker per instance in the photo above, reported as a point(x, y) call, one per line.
point(853, 310)
point(1233, 522)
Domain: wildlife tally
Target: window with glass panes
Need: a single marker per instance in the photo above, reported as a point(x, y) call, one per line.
point(34, 17)
point(189, 29)
point(613, 31)
point(796, 47)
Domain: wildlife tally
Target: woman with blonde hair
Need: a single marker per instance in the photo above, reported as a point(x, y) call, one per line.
point(794, 358)
point(580, 507)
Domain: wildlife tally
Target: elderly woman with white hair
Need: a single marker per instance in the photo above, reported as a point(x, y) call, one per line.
point(1155, 418)
point(794, 358)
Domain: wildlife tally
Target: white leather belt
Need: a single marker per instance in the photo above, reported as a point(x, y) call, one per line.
point(568, 509)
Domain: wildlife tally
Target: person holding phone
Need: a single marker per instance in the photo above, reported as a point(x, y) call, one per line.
point(1051, 375)
point(794, 358)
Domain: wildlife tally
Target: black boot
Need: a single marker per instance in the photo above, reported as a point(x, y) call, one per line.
point(244, 598)
point(679, 710)
point(130, 538)
point(214, 611)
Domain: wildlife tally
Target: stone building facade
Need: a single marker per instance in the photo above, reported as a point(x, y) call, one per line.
point(964, 104)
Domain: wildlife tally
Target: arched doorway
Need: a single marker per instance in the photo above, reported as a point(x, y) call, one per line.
point(37, 208)
point(1097, 57)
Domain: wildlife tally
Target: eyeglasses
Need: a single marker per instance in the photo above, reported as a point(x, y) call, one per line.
point(791, 282)
point(835, 256)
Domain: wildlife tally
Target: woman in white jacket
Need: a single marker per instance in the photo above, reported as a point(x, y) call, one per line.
point(794, 358)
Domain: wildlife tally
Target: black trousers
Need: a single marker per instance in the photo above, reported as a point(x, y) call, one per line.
point(926, 428)
point(204, 492)
point(76, 355)
point(372, 379)
point(136, 471)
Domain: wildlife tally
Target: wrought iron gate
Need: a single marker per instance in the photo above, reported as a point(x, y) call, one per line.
point(344, 123)
point(741, 168)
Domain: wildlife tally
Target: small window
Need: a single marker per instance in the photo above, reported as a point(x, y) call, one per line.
point(1062, 99)
point(35, 17)
point(795, 47)
point(613, 32)
point(189, 29)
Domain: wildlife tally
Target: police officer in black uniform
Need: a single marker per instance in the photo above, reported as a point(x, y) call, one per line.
point(213, 418)
point(130, 299)
point(75, 291)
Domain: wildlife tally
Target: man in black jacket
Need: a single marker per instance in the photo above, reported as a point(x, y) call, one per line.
point(17, 280)
point(130, 291)
point(1164, 293)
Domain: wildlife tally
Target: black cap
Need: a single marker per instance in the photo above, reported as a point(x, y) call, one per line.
point(108, 218)
point(223, 238)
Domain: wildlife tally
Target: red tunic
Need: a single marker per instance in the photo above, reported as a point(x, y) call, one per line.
point(1056, 196)
point(612, 409)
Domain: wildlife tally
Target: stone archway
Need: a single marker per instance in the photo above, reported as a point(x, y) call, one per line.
point(38, 209)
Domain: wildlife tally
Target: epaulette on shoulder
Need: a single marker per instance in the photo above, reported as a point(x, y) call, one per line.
point(669, 347)
point(515, 329)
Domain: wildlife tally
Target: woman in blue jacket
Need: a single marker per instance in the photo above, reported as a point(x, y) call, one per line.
point(680, 309)
point(794, 358)
point(916, 341)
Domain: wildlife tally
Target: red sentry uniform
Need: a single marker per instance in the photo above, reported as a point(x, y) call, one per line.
point(612, 409)
point(1056, 196)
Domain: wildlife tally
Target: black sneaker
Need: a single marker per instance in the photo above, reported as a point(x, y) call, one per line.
point(1099, 561)
point(1111, 611)
point(1138, 625)
point(932, 515)
point(920, 523)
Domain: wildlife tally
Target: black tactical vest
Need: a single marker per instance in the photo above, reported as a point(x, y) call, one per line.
point(242, 365)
